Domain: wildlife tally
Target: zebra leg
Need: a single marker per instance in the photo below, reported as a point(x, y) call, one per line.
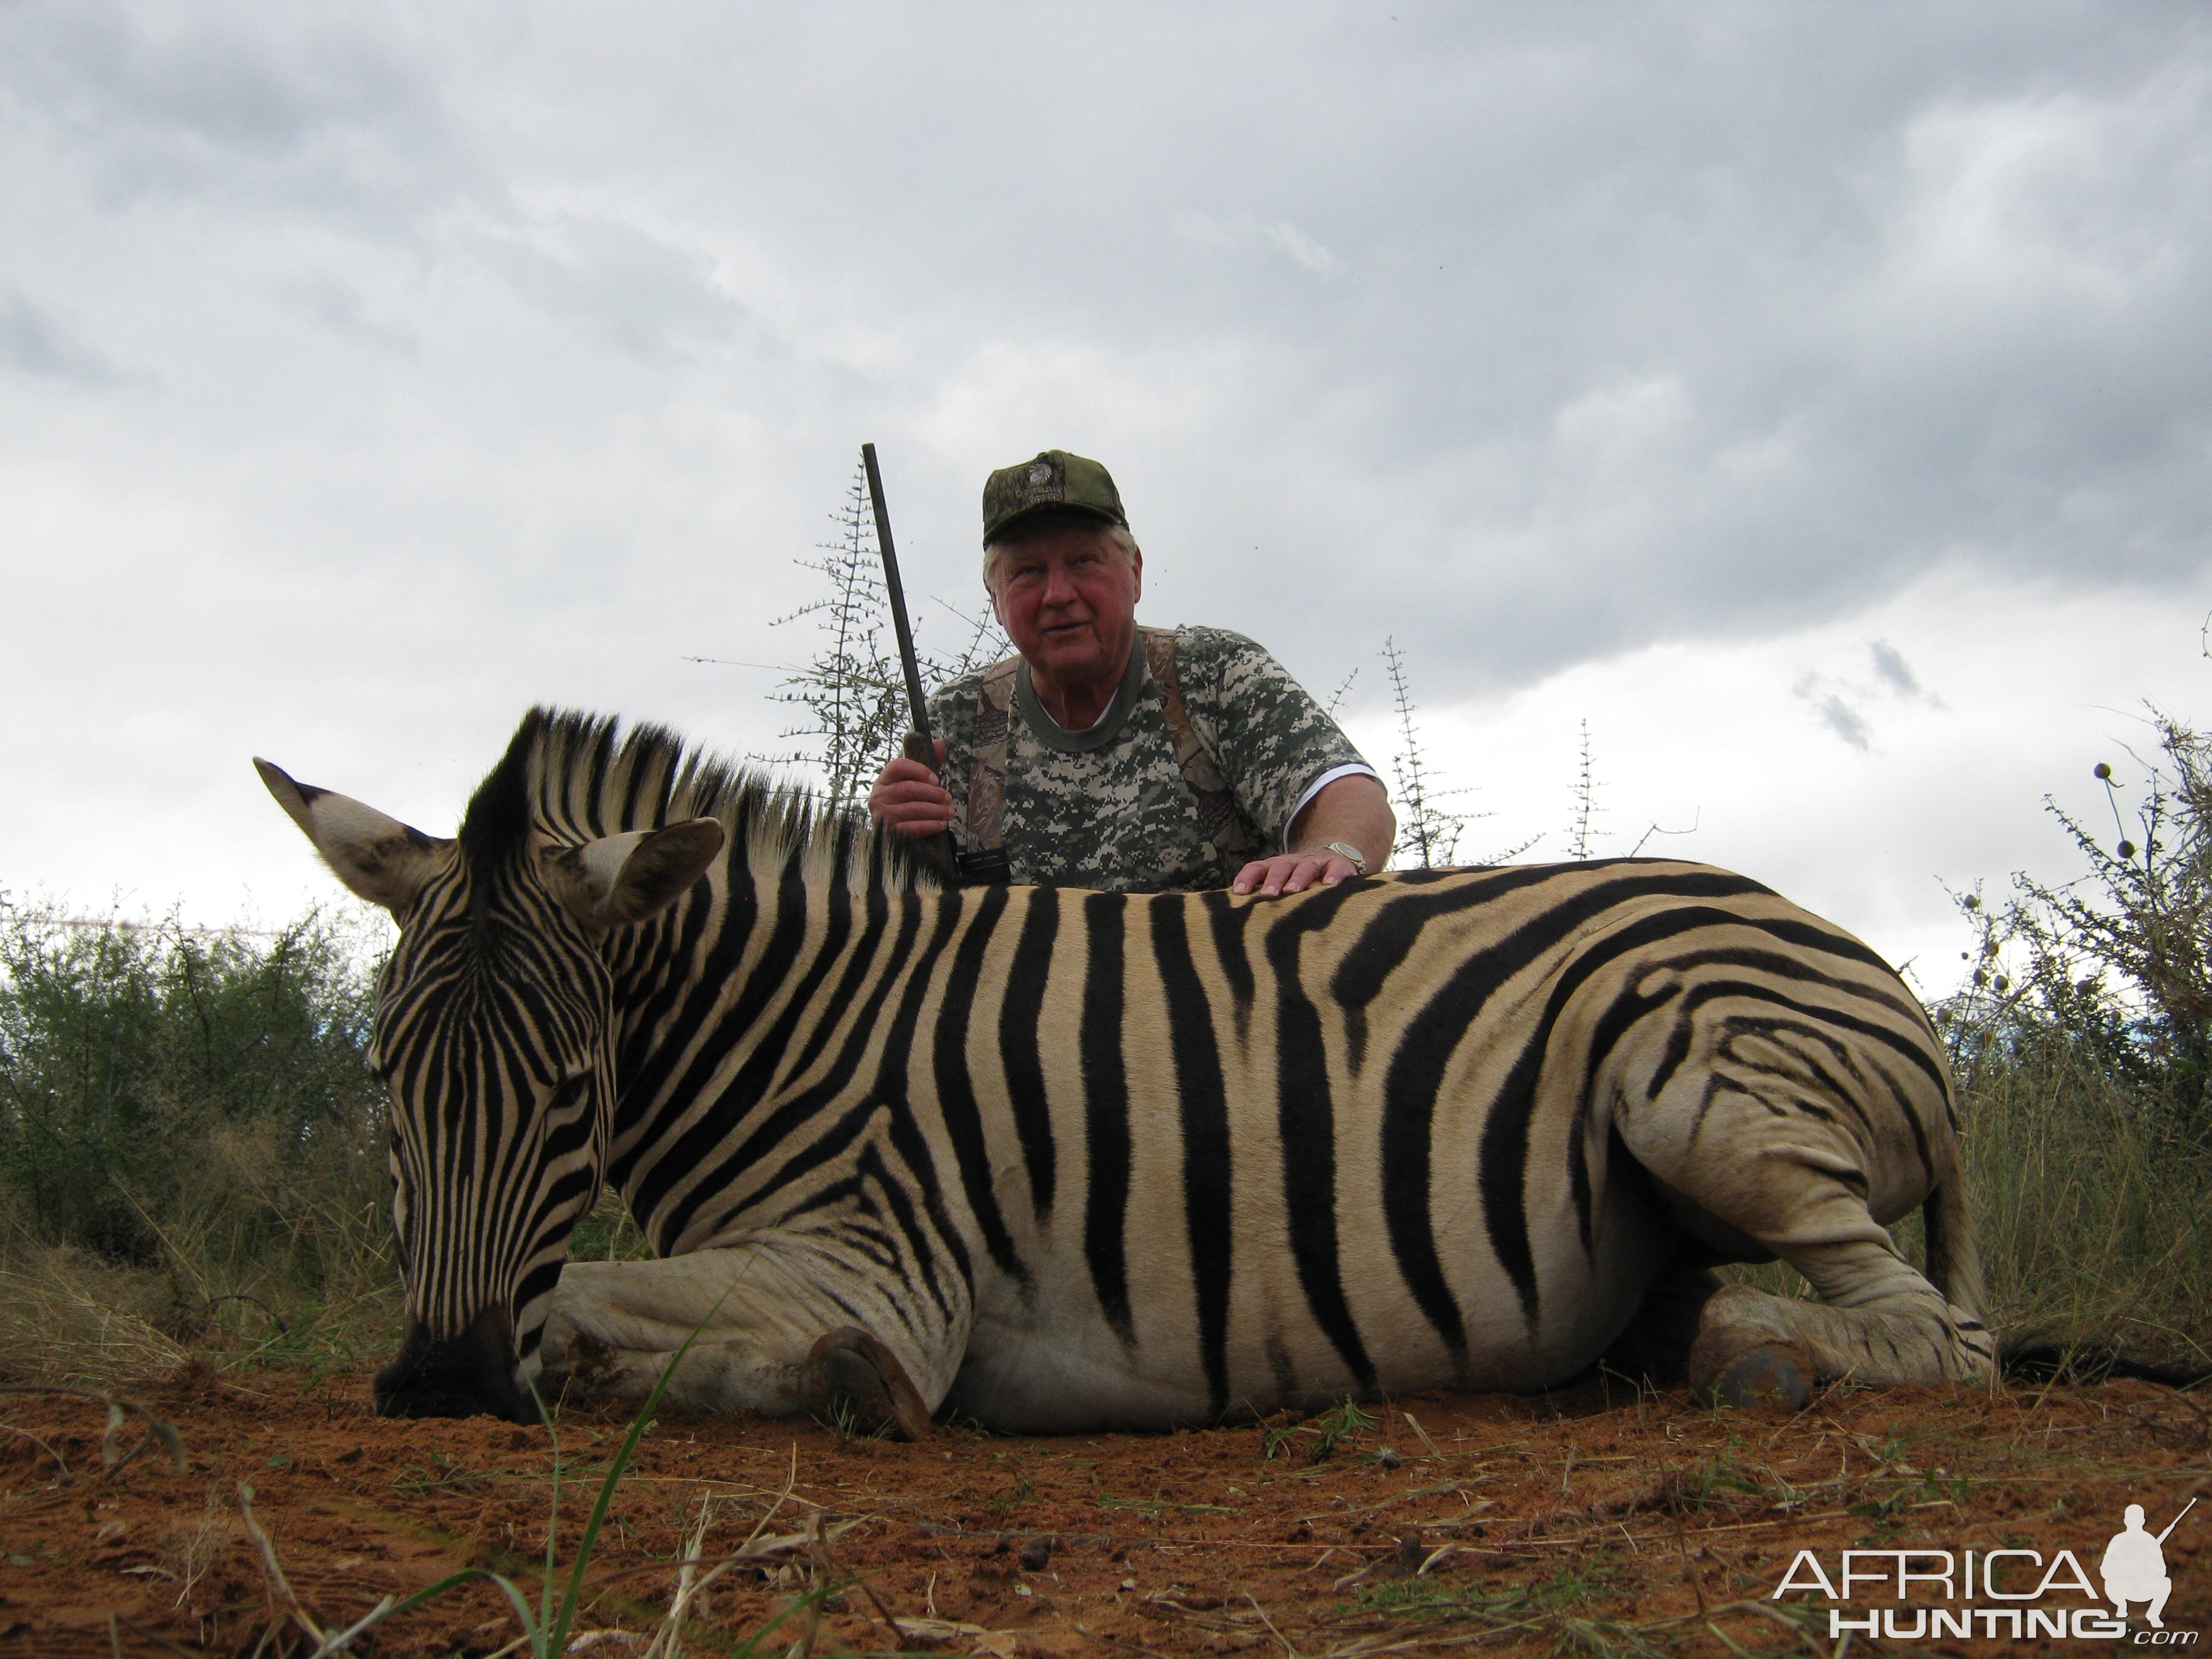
point(1657, 1343)
point(1757, 1176)
point(614, 1327)
point(1878, 1321)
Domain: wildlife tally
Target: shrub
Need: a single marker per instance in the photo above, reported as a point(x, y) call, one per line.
point(2112, 967)
point(197, 1107)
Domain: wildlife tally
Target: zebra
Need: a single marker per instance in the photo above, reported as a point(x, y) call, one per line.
point(1053, 1160)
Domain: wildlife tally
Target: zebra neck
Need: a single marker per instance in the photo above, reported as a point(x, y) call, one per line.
point(758, 997)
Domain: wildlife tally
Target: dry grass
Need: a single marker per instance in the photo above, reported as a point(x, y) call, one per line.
point(2091, 1222)
point(262, 1261)
point(68, 1317)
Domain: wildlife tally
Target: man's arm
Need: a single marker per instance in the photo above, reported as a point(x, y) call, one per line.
point(1352, 809)
point(1273, 742)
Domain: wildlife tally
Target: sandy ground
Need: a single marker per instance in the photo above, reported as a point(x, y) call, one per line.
point(1573, 1522)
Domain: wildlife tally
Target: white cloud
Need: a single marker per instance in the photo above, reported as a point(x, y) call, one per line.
point(1242, 230)
point(2037, 684)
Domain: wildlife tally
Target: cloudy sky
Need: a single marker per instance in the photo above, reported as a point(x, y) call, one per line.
point(1815, 400)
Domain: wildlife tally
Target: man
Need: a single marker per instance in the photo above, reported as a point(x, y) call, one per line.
point(1117, 757)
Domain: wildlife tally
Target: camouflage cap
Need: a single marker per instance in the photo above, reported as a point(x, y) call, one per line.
point(1056, 480)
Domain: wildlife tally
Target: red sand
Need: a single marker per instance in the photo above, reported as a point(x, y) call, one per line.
point(1519, 1526)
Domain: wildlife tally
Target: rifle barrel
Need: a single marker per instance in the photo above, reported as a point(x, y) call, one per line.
point(936, 851)
point(2176, 1521)
point(915, 699)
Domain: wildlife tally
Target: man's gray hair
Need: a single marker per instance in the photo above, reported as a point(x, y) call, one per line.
point(1117, 534)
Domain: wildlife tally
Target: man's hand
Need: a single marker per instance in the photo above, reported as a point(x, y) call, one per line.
point(1292, 873)
point(908, 799)
point(1352, 809)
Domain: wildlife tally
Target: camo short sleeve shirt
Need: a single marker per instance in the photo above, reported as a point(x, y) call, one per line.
point(1108, 808)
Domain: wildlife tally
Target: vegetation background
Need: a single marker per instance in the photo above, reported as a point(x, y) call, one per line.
point(192, 1157)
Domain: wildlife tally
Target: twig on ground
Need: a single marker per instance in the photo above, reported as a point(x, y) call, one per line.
point(1421, 1434)
point(282, 1602)
point(157, 1428)
point(1270, 1623)
point(825, 1563)
point(667, 1641)
point(804, 1646)
point(42, 1447)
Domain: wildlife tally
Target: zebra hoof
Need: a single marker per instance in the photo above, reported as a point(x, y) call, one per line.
point(854, 1381)
point(1769, 1375)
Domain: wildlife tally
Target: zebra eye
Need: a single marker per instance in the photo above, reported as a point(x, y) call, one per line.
point(566, 1091)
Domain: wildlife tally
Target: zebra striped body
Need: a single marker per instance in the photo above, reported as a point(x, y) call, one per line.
point(1080, 1159)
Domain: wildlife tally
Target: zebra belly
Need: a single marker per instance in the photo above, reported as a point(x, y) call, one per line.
point(1048, 1361)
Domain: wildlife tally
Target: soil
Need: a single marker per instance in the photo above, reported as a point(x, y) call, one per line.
point(1578, 1522)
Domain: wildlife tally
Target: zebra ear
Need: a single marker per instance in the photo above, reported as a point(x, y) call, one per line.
point(384, 860)
point(627, 877)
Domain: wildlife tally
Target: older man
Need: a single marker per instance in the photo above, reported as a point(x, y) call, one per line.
point(1114, 756)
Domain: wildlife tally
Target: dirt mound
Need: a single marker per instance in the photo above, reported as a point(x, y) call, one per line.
point(1571, 1520)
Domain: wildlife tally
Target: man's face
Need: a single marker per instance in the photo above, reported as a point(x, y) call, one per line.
point(1068, 598)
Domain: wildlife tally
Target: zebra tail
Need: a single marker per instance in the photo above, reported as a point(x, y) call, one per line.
point(2039, 1356)
point(1954, 1263)
point(1955, 1267)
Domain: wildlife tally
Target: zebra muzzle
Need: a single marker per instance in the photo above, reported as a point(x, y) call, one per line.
point(469, 1375)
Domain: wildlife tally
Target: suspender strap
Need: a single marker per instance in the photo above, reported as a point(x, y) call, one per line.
point(1222, 819)
point(985, 861)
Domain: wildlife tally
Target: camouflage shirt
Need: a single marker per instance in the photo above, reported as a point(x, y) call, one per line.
point(1108, 808)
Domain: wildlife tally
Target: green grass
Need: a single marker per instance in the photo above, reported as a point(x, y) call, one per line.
point(1320, 1436)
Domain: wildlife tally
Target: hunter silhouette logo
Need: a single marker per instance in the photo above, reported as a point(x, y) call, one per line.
point(2133, 1567)
point(2008, 1594)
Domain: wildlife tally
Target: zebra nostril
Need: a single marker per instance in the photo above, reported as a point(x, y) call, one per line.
point(469, 1375)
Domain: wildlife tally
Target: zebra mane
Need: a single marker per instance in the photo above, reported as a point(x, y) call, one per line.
point(580, 776)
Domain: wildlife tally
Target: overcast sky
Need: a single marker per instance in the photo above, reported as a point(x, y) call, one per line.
point(1815, 399)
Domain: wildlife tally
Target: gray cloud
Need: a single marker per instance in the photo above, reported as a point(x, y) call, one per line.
point(642, 293)
point(33, 340)
point(1845, 706)
point(320, 114)
point(1839, 717)
point(339, 306)
point(1891, 668)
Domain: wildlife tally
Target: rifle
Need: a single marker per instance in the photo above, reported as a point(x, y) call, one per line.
point(2176, 1521)
point(935, 851)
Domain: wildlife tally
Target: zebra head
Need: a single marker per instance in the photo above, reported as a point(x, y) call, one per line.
point(494, 1035)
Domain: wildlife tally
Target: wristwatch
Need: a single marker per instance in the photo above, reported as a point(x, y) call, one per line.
point(1345, 849)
